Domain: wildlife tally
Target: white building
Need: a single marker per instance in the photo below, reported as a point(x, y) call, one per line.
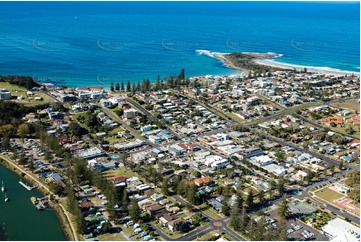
point(130, 113)
point(340, 230)
point(261, 161)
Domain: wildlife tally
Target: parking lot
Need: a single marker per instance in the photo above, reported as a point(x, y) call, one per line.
point(299, 231)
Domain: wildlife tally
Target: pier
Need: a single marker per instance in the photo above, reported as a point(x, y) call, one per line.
point(29, 188)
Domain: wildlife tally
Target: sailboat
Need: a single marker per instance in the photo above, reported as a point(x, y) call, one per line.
point(6, 198)
point(2, 187)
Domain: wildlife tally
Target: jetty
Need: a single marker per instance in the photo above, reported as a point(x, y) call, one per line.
point(27, 187)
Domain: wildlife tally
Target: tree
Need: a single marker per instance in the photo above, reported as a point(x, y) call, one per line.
point(125, 200)
point(117, 87)
point(128, 86)
point(282, 230)
point(170, 81)
point(157, 85)
point(281, 185)
point(191, 194)
point(165, 186)
point(196, 219)
point(259, 231)
point(106, 227)
point(249, 199)
point(282, 209)
point(243, 220)
point(134, 90)
point(134, 210)
point(75, 129)
point(122, 87)
point(225, 208)
point(23, 130)
point(31, 165)
point(261, 197)
point(196, 174)
point(349, 130)
point(235, 216)
point(112, 87)
point(138, 88)
point(181, 74)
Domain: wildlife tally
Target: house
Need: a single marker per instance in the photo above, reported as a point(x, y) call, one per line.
point(152, 210)
point(252, 152)
point(149, 192)
point(130, 113)
point(86, 205)
point(164, 220)
point(261, 161)
point(119, 180)
point(300, 175)
point(157, 197)
point(202, 181)
point(337, 120)
point(275, 169)
point(173, 225)
point(355, 120)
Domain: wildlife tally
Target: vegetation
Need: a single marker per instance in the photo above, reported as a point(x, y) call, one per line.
point(353, 181)
point(22, 81)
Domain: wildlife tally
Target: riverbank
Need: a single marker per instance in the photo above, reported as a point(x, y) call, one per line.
point(59, 210)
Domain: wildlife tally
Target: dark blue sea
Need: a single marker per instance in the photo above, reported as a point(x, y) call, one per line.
point(96, 43)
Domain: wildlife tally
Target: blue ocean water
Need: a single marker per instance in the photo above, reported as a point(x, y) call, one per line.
point(96, 43)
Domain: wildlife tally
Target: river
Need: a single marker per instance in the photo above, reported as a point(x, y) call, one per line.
point(19, 219)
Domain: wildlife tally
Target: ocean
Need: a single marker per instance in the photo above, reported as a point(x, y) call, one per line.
point(96, 43)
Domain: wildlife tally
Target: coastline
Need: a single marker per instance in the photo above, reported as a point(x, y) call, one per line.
point(269, 59)
point(14, 169)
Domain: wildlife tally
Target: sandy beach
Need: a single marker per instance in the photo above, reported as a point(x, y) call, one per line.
point(267, 61)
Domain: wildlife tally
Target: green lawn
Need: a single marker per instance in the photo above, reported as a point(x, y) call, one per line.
point(9, 86)
point(328, 195)
point(166, 231)
point(29, 100)
point(210, 211)
point(121, 171)
point(350, 104)
point(112, 237)
point(209, 235)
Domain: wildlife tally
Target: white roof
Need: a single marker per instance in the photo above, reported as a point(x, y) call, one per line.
point(340, 230)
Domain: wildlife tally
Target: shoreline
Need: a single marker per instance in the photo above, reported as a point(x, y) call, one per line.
point(270, 60)
point(12, 168)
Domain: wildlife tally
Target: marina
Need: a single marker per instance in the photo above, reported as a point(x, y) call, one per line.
point(40, 203)
point(18, 213)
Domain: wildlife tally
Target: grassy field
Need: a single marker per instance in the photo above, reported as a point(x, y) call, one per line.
point(112, 237)
point(342, 129)
point(9, 86)
point(328, 195)
point(350, 104)
point(121, 171)
point(29, 100)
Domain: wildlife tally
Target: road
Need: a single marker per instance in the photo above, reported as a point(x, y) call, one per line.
point(150, 116)
point(333, 208)
point(299, 148)
point(115, 117)
point(75, 235)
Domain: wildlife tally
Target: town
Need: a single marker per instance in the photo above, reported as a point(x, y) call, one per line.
point(268, 156)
